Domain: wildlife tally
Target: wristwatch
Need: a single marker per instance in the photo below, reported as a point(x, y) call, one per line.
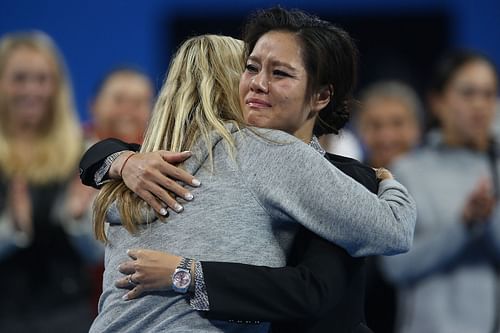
point(181, 278)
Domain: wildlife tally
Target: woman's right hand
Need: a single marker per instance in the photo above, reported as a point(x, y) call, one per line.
point(152, 175)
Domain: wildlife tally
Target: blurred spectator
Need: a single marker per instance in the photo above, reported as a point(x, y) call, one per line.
point(43, 249)
point(448, 281)
point(120, 109)
point(122, 105)
point(388, 122)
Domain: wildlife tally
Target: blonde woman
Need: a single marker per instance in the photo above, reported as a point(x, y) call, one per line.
point(257, 185)
point(41, 268)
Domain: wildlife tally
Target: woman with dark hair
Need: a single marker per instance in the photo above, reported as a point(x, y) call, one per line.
point(276, 88)
point(448, 281)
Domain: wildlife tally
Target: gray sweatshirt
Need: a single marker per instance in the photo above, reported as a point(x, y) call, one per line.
point(447, 281)
point(248, 210)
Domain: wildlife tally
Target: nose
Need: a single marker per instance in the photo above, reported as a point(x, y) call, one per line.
point(260, 83)
point(32, 85)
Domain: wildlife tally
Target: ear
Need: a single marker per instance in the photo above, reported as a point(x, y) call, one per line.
point(321, 99)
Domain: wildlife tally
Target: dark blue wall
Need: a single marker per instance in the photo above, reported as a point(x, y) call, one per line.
point(96, 35)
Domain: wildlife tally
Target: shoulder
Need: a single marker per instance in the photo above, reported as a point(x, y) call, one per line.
point(274, 144)
point(360, 172)
point(278, 155)
point(344, 161)
point(266, 136)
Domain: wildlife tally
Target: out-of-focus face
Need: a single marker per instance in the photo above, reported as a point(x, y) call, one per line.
point(388, 129)
point(122, 108)
point(273, 86)
point(28, 86)
point(467, 106)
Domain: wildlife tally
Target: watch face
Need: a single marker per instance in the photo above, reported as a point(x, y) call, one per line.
point(181, 279)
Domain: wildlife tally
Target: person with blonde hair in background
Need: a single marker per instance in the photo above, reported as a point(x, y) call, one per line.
point(42, 255)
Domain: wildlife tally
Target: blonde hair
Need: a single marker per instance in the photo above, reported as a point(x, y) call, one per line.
point(199, 96)
point(58, 144)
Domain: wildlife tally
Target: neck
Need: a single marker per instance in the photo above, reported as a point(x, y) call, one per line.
point(305, 133)
point(453, 140)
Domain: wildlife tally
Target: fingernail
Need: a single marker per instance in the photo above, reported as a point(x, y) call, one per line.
point(187, 152)
point(188, 196)
point(163, 211)
point(196, 182)
point(178, 208)
point(125, 297)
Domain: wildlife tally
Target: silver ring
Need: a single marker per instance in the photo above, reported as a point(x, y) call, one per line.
point(130, 281)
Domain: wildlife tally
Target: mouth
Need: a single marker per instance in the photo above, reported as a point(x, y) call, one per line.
point(29, 104)
point(256, 103)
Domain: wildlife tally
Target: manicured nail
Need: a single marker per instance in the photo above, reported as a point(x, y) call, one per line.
point(188, 197)
point(187, 152)
point(125, 297)
point(196, 182)
point(163, 212)
point(178, 208)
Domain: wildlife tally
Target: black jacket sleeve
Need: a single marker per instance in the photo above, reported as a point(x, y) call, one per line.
point(95, 156)
point(316, 278)
point(302, 292)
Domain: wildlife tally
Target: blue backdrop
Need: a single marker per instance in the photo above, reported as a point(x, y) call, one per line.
point(96, 35)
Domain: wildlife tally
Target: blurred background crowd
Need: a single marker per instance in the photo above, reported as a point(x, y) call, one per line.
point(72, 74)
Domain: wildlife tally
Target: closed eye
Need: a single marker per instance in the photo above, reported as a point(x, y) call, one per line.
point(278, 72)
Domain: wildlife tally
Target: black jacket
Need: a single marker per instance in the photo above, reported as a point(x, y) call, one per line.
point(321, 290)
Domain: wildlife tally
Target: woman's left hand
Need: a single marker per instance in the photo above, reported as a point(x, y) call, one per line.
point(147, 271)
